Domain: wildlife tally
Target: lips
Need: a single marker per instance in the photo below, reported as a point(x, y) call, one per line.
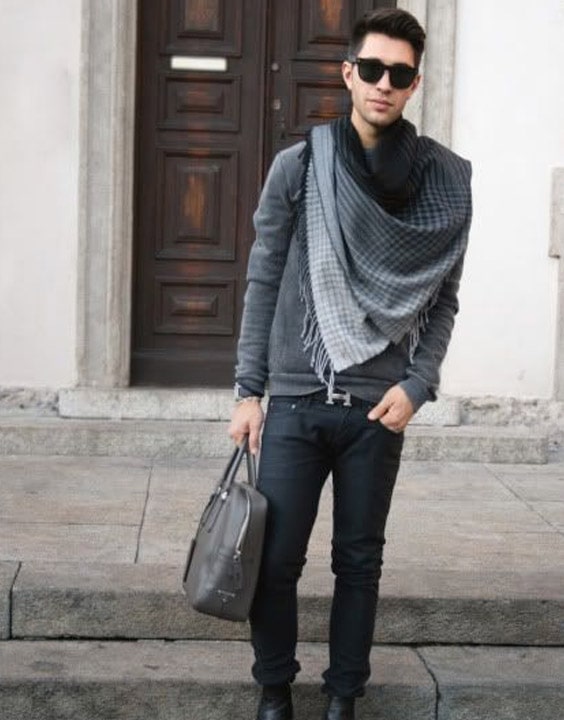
point(380, 104)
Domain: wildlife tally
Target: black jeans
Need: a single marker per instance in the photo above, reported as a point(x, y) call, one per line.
point(303, 441)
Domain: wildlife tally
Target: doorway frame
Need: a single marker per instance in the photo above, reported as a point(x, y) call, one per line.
point(107, 167)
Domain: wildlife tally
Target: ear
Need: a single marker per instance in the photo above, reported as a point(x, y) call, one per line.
point(347, 71)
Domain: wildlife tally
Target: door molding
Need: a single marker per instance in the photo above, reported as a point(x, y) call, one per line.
point(107, 136)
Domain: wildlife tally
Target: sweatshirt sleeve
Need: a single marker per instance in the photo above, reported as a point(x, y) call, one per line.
point(273, 221)
point(423, 374)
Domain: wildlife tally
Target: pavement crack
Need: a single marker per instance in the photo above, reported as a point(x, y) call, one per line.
point(11, 604)
point(143, 516)
point(527, 503)
point(434, 679)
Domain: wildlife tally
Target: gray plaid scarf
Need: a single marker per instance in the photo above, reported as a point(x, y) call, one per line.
point(369, 277)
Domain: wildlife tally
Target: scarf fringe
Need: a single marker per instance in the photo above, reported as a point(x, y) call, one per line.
point(421, 323)
point(311, 335)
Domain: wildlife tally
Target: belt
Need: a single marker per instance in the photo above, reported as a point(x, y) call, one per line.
point(339, 397)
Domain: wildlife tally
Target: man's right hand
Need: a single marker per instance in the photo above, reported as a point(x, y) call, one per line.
point(247, 419)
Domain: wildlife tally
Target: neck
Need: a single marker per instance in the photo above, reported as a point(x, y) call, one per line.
point(369, 134)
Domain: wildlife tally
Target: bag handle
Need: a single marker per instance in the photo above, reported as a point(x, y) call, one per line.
point(251, 465)
point(234, 464)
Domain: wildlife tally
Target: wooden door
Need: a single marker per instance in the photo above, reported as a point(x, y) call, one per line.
point(205, 138)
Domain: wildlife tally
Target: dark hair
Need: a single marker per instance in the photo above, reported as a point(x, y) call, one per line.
point(392, 22)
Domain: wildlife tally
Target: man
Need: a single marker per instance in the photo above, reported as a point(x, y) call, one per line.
point(352, 293)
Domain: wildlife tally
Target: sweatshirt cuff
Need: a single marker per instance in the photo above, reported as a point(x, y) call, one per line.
point(249, 387)
point(417, 391)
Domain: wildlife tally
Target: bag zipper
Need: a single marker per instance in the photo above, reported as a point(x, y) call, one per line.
point(237, 566)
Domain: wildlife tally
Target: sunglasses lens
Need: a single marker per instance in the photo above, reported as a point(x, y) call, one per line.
point(370, 71)
point(401, 76)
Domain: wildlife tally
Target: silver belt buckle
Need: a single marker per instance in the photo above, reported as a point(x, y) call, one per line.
point(344, 397)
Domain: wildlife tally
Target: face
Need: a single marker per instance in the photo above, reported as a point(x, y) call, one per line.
point(377, 105)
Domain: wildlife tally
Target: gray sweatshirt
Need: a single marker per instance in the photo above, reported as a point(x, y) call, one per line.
point(270, 350)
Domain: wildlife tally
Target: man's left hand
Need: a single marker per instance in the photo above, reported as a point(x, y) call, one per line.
point(394, 410)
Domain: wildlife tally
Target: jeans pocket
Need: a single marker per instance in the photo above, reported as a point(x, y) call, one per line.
point(387, 429)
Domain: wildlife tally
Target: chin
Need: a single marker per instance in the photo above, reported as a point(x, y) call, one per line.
point(380, 119)
point(382, 123)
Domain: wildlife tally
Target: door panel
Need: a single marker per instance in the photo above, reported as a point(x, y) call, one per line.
point(197, 209)
point(204, 27)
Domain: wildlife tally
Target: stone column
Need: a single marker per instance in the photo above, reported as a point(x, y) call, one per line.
point(106, 197)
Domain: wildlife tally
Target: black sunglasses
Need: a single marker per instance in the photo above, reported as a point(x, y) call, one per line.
point(371, 70)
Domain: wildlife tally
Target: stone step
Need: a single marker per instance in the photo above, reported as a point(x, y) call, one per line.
point(153, 680)
point(68, 600)
point(185, 439)
point(476, 683)
point(196, 404)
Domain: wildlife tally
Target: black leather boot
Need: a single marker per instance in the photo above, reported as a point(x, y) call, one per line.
point(275, 703)
point(340, 708)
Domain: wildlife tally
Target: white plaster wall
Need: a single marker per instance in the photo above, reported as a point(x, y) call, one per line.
point(509, 120)
point(39, 87)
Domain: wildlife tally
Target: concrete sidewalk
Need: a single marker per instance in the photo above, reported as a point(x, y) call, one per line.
point(445, 516)
point(470, 624)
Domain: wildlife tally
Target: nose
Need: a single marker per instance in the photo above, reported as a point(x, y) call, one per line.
point(384, 82)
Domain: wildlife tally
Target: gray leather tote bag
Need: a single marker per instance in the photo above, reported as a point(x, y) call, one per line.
point(223, 562)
